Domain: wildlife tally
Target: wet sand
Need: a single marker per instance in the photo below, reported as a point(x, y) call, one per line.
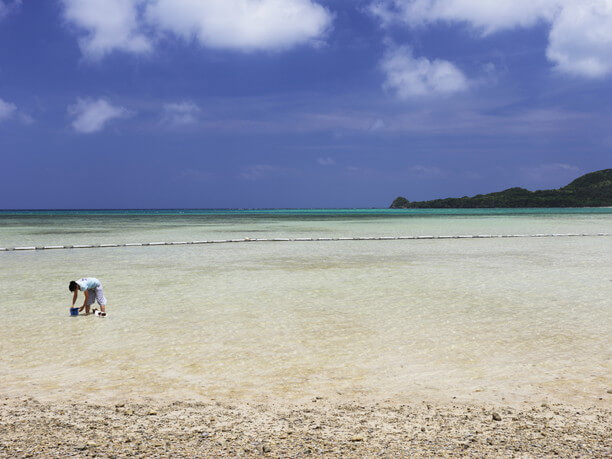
point(317, 427)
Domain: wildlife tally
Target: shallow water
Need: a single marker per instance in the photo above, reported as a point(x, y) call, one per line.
point(522, 319)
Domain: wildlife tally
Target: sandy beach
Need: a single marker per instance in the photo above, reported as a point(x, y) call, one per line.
point(29, 428)
point(431, 348)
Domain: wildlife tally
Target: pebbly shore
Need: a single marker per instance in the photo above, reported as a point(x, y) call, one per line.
point(29, 428)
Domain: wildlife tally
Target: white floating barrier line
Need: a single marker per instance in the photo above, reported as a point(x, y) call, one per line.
point(300, 239)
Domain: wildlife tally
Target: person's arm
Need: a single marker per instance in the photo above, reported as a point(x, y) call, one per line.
point(74, 297)
point(86, 293)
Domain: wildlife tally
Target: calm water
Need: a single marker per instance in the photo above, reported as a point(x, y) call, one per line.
point(523, 319)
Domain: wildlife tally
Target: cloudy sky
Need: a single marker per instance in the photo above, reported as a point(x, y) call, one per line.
point(298, 103)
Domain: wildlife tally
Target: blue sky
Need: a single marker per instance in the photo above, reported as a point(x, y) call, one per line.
point(298, 103)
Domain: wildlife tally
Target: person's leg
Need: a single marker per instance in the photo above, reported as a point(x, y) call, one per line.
point(91, 298)
point(101, 299)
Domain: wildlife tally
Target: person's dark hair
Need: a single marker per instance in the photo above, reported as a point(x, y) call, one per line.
point(73, 286)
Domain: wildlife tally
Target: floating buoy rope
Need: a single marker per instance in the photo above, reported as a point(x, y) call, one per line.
point(296, 239)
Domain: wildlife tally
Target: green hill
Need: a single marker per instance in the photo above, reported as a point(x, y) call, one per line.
point(590, 190)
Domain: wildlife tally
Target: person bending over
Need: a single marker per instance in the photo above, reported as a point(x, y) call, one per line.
point(92, 289)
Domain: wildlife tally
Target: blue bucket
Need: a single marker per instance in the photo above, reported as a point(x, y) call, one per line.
point(74, 311)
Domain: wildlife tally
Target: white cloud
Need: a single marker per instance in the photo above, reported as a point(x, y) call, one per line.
point(242, 24)
point(93, 115)
point(181, 113)
point(247, 25)
point(425, 171)
point(329, 161)
point(580, 40)
point(408, 76)
point(108, 25)
point(487, 15)
point(7, 110)
point(8, 7)
point(378, 125)
point(26, 119)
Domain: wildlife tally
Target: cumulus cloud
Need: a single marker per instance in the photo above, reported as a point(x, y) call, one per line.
point(107, 25)
point(241, 24)
point(181, 113)
point(408, 76)
point(246, 25)
point(580, 39)
point(93, 115)
point(7, 110)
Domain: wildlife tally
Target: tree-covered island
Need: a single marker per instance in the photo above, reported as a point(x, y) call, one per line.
point(590, 190)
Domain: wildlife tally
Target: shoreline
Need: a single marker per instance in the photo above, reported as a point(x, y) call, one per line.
point(320, 427)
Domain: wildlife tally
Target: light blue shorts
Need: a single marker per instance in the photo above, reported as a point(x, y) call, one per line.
point(96, 294)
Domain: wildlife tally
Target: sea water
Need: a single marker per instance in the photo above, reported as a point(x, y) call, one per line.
point(477, 319)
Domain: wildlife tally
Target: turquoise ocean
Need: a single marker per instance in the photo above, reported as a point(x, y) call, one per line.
point(518, 319)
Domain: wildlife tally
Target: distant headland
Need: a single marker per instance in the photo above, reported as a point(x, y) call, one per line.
point(591, 190)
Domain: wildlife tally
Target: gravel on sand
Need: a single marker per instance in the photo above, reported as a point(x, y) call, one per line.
point(317, 427)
